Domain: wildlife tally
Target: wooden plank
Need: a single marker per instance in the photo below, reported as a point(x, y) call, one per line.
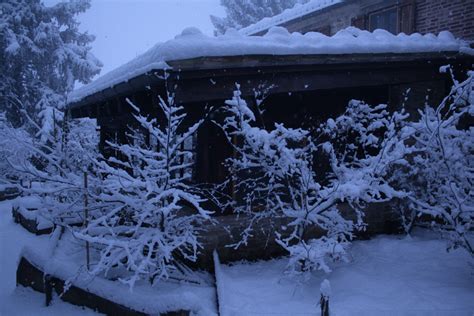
point(407, 16)
point(251, 61)
point(237, 68)
point(219, 88)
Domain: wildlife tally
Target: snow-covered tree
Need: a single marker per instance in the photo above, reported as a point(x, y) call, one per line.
point(43, 54)
point(151, 211)
point(440, 172)
point(241, 13)
point(273, 176)
point(52, 171)
point(11, 147)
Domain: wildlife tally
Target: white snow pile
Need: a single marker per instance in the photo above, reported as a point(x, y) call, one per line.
point(297, 11)
point(29, 208)
point(221, 286)
point(191, 43)
point(63, 259)
point(388, 275)
point(20, 300)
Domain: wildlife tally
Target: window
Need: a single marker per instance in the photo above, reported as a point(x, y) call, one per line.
point(394, 18)
point(386, 19)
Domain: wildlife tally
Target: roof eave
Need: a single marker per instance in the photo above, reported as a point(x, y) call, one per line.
point(150, 78)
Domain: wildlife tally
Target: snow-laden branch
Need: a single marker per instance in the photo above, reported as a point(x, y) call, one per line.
point(440, 171)
point(153, 216)
point(273, 175)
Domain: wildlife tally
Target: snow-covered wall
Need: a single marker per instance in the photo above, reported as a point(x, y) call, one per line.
point(191, 43)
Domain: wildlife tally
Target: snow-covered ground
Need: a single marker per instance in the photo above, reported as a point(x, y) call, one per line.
point(66, 261)
point(389, 274)
point(23, 301)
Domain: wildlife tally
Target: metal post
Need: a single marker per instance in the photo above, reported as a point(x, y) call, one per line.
point(86, 216)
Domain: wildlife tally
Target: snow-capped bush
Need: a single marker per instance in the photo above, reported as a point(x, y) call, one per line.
point(439, 175)
point(150, 215)
point(10, 147)
point(51, 169)
point(273, 176)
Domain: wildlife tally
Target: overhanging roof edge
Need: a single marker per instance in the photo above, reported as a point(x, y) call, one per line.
point(155, 77)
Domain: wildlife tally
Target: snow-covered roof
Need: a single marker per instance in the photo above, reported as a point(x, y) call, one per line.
point(290, 14)
point(191, 43)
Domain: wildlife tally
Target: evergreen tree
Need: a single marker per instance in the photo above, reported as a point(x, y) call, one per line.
point(43, 54)
point(241, 13)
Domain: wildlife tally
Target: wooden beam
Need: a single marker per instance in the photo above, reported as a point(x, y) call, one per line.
point(221, 87)
point(214, 78)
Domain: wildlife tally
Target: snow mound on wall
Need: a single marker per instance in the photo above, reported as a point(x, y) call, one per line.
point(191, 43)
point(297, 11)
point(163, 298)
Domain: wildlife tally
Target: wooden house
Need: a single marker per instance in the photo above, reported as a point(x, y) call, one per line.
point(305, 86)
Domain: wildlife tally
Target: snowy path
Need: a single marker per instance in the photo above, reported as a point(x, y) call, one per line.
point(388, 275)
point(23, 301)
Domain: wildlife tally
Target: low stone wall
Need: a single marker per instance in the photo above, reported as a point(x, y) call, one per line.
point(29, 275)
point(9, 194)
point(380, 219)
point(30, 225)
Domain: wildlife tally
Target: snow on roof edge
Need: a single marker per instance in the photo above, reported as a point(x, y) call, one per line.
point(287, 15)
point(191, 43)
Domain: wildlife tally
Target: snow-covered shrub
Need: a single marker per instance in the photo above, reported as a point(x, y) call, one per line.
point(81, 138)
point(10, 147)
point(148, 225)
point(273, 176)
point(439, 174)
point(51, 168)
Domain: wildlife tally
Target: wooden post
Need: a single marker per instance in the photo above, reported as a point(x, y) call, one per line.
point(324, 300)
point(86, 216)
point(48, 289)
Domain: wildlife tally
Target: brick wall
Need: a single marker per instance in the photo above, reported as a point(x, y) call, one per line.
point(431, 16)
point(456, 16)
